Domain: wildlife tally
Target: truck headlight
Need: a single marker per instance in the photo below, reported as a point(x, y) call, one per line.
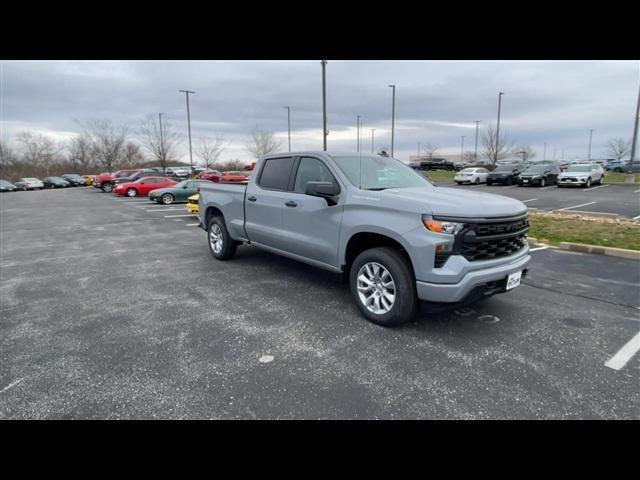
point(438, 226)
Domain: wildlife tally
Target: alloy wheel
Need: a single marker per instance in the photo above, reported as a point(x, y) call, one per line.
point(215, 238)
point(376, 288)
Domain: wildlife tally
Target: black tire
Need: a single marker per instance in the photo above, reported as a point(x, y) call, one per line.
point(406, 298)
point(106, 187)
point(509, 181)
point(477, 182)
point(131, 192)
point(489, 182)
point(588, 184)
point(543, 183)
point(601, 181)
point(228, 248)
point(459, 183)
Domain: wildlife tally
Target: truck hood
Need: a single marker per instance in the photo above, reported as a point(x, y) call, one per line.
point(455, 202)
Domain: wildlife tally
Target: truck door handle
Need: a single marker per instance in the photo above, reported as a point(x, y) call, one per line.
point(291, 203)
point(252, 198)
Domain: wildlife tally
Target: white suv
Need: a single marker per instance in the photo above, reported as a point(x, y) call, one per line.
point(581, 175)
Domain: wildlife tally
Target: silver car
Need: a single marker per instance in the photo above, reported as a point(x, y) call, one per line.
point(29, 183)
point(581, 175)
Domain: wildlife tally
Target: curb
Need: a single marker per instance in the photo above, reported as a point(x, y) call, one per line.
point(610, 251)
point(584, 212)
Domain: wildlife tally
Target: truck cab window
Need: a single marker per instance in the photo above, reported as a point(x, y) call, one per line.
point(311, 170)
point(275, 173)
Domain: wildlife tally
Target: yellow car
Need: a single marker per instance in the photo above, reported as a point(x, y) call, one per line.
point(88, 179)
point(192, 203)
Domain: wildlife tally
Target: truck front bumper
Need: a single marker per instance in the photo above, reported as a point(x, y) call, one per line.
point(483, 282)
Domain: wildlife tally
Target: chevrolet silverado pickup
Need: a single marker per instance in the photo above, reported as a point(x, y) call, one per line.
point(396, 237)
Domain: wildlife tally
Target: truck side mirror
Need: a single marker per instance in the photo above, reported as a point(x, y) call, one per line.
point(326, 190)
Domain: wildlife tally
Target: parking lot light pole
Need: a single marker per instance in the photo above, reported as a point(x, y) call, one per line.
point(634, 142)
point(475, 154)
point(187, 92)
point(498, 126)
point(590, 137)
point(358, 131)
point(324, 104)
point(289, 124)
point(372, 134)
point(393, 115)
point(161, 140)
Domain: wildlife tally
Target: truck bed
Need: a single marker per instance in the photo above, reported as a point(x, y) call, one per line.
point(228, 198)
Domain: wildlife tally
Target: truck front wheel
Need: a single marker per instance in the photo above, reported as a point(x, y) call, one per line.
point(383, 286)
point(221, 244)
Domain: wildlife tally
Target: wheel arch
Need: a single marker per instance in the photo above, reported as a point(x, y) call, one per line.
point(363, 240)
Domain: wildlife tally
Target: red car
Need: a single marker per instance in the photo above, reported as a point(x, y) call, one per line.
point(211, 175)
point(104, 181)
point(233, 177)
point(143, 186)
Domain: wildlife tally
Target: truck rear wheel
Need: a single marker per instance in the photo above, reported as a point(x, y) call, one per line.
point(383, 286)
point(220, 242)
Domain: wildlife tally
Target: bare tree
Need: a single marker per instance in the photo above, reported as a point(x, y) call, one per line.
point(82, 153)
point(262, 142)
point(525, 151)
point(618, 148)
point(230, 165)
point(209, 150)
point(130, 156)
point(8, 161)
point(160, 143)
point(469, 157)
point(430, 150)
point(39, 152)
point(489, 148)
point(109, 141)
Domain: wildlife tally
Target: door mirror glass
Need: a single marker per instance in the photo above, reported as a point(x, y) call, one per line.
point(321, 189)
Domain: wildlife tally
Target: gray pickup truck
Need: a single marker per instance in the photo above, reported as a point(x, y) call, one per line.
point(396, 237)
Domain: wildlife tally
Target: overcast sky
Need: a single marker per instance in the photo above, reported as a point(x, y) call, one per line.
point(436, 101)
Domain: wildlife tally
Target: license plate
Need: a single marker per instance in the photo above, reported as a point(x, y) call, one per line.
point(525, 181)
point(513, 280)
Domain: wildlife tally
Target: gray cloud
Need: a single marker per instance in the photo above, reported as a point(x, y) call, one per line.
point(436, 101)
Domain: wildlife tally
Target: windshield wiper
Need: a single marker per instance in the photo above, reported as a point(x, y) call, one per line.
point(377, 189)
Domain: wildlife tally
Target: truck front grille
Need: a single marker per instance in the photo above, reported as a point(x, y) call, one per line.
point(486, 250)
point(486, 239)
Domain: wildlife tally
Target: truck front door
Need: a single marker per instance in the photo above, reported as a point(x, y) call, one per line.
point(264, 203)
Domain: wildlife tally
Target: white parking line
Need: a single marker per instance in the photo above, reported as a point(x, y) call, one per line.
point(166, 209)
point(530, 200)
point(174, 216)
point(537, 248)
point(636, 218)
point(191, 224)
point(576, 206)
point(636, 191)
point(543, 188)
point(593, 188)
point(12, 384)
point(621, 358)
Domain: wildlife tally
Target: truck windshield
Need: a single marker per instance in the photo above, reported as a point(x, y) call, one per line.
point(375, 172)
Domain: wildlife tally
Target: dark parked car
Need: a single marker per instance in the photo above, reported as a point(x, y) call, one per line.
point(541, 175)
point(437, 164)
point(6, 186)
point(74, 179)
point(55, 182)
point(505, 174)
point(147, 172)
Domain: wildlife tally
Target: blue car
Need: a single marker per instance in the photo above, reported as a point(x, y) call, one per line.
point(617, 165)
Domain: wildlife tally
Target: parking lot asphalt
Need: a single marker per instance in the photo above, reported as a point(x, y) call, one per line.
point(114, 308)
point(620, 199)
